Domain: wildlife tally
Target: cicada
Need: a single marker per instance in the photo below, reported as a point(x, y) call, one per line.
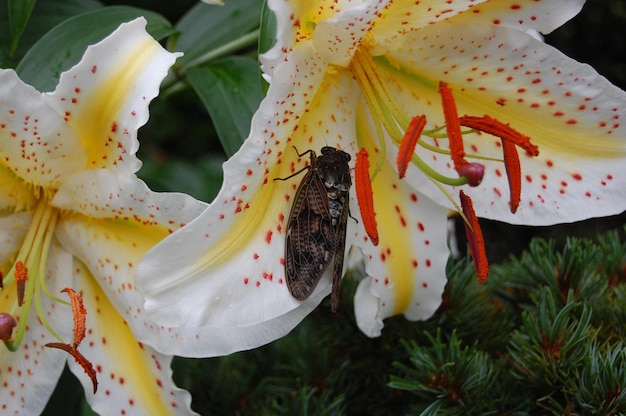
point(316, 231)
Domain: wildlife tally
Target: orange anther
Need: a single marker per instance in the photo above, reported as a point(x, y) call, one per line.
point(79, 314)
point(364, 195)
point(21, 271)
point(453, 126)
point(504, 131)
point(475, 238)
point(513, 173)
point(409, 141)
point(510, 138)
point(21, 275)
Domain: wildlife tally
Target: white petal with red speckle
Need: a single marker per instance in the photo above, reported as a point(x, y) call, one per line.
point(102, 193)
point(571, 112)
point(68, 160)
point(35, 143)
point(106, 95)
point(133, 379)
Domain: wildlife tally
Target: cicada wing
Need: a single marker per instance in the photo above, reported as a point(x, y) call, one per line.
point(310, 241)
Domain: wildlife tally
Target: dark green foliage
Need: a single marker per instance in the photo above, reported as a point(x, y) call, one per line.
point(564, 354)
point(543, 336)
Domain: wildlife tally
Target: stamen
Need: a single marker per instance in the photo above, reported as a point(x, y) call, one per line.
point(21, 275)
point(509, 138)
point(364, 195)
point(504, 131)
point(513, 173)
point(1, 280)
point(474, 238)
point(453, 126)
point(80, 360)
point(80, 316)
point(7, 323)
point(409, 141)
point(79, 313)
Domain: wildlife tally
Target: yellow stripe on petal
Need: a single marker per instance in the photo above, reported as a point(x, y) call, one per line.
point(244, 229)
point(408, 264)
point(98, 119)
point(397, 252)
point(105, 97)
point(133, 379)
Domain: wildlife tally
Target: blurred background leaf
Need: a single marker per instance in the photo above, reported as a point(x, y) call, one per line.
point(207, 32)
point(63, 46)
point(19, 13)
point(230, 89)
point(45, 15)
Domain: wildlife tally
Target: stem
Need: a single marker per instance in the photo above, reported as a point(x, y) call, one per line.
point(250, 38)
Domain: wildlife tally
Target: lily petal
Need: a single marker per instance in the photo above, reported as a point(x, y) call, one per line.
point(409, 262)
point(105, 96)
point(35, 143)
point(337, 38)
point(407, 267)
point(102, 193)
point(133, 379)
point(542, 16)
point(571, 112)
point(29, 375)
point(126, 219)
point(14, 195)
point(12, 230)
point(220, 287)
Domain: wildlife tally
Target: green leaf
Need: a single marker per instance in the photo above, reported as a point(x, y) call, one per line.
point(64, 46)
point(205, 29)
point(201, 179)
point(231, 92)
point(267, 38)
point(46, 15)
point(19, 13)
